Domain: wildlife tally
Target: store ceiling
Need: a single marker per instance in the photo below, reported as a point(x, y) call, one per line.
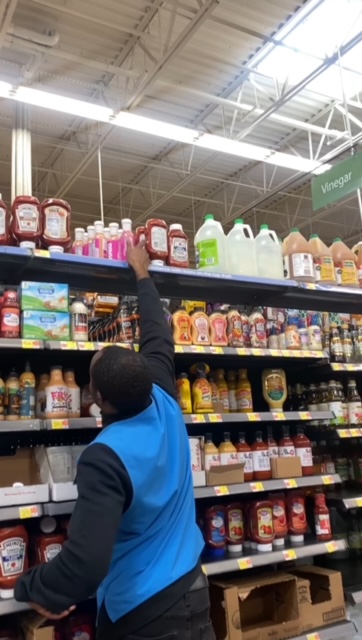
point(188, 63)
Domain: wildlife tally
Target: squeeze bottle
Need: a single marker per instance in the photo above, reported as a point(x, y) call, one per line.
point(240, 247)
point(126, 236)
point(269, 257)
point(210, 247)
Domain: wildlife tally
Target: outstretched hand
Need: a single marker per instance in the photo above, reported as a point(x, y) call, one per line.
point(138, 259)
point(48, 614)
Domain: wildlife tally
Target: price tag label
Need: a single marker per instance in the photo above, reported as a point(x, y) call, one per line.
point(31, 344)
point(359, 502)
point(136, 347)
point(41, 253)
point(86, 346)
point(277, 353)
point(179, 348)
point(196, 418)
point(215, 417)
point(290, 554)
point(242, 351)
point(310, 285)
point(337, 367)
point(285, 353)
point(99, 422)
point(355, 433)
point(197, 349)
point(305, 415)
point(203, 569)
point(313, 636)
point(29, 512)
point(301, 354)
point(350, 367)
point(291, 483)
point(60, 424)
point(245, 563)
point(219, 351)
point(256, 486)
point(331, 546)
point(344, 433)
point(222, 491)
point(278, 416)
point(68, 346)
point(253, 417)
point(327, 480)
point(257, 352)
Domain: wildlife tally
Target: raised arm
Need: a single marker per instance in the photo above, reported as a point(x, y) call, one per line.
point(156, 338)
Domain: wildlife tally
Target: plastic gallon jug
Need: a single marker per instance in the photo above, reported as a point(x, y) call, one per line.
point(269, 257)
point(240, 246)
point(210, 247)
point(357, 250)
point(344, 264)
point(298, 259)
point(323, 261)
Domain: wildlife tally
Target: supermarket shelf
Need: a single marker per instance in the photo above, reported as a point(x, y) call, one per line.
point(234, 563)
point(353, 366)
point(8, 607)
point(20, 425)
point(73, 423)
point(19, 343)
point(58, 508)
point(346, 499)
point(265, 416)
point(23, 512)
point(267, 485)
point(332, 632)
point(354, 594)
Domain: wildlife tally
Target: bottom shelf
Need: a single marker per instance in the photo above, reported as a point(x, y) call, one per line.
point(332, 632)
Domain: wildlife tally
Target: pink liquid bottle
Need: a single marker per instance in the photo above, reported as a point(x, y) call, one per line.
point(114, 243)
point(126, 235)
point(78, 244)
point(88, 249)
point(99, 240)
point(107, 235)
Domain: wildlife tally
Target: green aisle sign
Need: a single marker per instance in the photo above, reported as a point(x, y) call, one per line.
point(338, 182)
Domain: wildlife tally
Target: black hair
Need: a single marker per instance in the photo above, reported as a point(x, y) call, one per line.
point(124, 379)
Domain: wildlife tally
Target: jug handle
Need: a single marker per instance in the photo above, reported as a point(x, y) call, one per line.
point(274, 236)
point(250, 234)
point(355, 249)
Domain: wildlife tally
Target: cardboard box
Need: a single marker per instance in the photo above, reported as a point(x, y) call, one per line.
point(44, 296)
point(261, 608)
point(45, 325)
point(225, 474)
point(286, 467)
point(22, 468)
point(32, 626)
point(59, 491)
point(320, 597)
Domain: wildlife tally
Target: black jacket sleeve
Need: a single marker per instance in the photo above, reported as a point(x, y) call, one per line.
point(105, 491)
point(156, 342)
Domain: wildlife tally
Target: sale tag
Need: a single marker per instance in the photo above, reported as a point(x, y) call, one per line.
point(291, 483)
point(359, 502)
point(331, 546)
point(215, 417)
point(31, 344)
point(29, 512)
point(99, 422)
point(178, 348)
point(256, 486)
point(68, 346)
point(241, 351)
point(41, 253)
point(305, 415)
point(86, 346)
point(60, 424)
point(290, 554)
point(278, 415)
point(245, 563)
point(222, 491)
point(217, 351)
point(313, 636)
point(327, 480)
point(253, 417)
point(344, 433)
point(197, 349)
point(197, 418)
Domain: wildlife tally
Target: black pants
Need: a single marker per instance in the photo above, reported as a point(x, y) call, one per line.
point(188, 619)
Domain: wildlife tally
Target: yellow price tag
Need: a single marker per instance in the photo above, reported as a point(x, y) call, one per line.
point(222, 491)
point(179, 348)
point(197, 349)
point(245, 563)
point(217, 351)
point(359, 502)
point(337, 367)
point(31, 344)
point(203, 569)
point(41, 253)
point(28, 512)
point(68, 346)
point(241, 351)
point(136, 347)
point(290, 483)
point(290, 554)
point(305, 415)
point(256, 486)
point(257, 352)
point(344, 433)
point(60, 424)
point(253, 417)
point(273, 352)
point(331, 546)
point(310, 285)
point(327, 480)
point(99, 423)
point(215, 417)
point(285, 353)
point(313, 636)
point(278, 415)
point(197, 418)
point(86, 346)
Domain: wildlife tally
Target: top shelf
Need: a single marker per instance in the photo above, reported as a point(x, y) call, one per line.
point(107, 276)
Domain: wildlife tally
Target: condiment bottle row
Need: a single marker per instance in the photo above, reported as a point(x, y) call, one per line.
point(345, 403)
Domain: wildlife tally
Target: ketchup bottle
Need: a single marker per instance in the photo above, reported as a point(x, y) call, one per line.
point(286, 447)
point(26, 221)
point(178, 249)
point(245, 457)
point(272, 445)
point(261, 524)
point(297, 520)
point(234, 523)
point(261, 460)
point(55, 218)
point(322, 520)
point(139, 234)
point(279, 519)
point(303, 449)
point(4, 223)
point(10, 316)
point(156, 239)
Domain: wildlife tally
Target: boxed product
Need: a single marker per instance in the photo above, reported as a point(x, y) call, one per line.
point(35, 627)
point(45, 325)
point(58, 467)
point(320, 596)
point(44, 296)
point(264, 607)
point(225, 474)
point(287, 467)
point(20, 480)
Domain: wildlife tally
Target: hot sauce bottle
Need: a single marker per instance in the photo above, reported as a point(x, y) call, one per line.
point(261, 520)
point(261, 460)
point(303, 449)
point(286, 447)
point(279, 519)
point(234, 524)
point(245, 457)
point(322, 520)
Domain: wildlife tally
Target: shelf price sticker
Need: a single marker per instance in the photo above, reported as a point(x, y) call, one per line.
point(60, 424)
point(310, 285)
point(278, 416)
point(331, 546)
point(215, 417)
point(256, 486)
point(69, 346)
point(197, 418)
point(327, 479)
point(245, 563)
point(290, 483)
point(86, 346)
point(219, 351)
point(198, 349)
point(313, 636)
point(337, 367)
point(344, 433)
point(290, 554)
point(253, 417)
point(222, 491)
point(31, 344)
point(258, 352)
point(242, 351)
point(29, 512)
point(305, 415)
point(41, 253)
point(99, 423)
point(359, 502)
point(179, 348)
point(355, 433)
point(276, 353)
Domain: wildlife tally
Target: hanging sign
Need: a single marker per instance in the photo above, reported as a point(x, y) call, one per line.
point(338, 182)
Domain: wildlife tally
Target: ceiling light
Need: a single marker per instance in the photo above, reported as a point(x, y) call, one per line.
point(233, 147)
point(155, 127)
point(290, 161)
point(5, 89)
point(63, 104)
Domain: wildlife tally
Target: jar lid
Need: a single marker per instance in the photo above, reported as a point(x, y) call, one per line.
point(26, 244)
point(54, 248)
point(48, 524)
point(176, 227)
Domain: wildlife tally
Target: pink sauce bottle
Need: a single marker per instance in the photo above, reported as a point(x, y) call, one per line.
point(78, 244)
point(88, 249)
point(99, 240)
point(114, 243)
point(126, 236)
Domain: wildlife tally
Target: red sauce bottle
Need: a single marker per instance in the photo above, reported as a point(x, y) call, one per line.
point(214, 531)
point(261, 525)
point(139, 234)
point(178, 247)
point(55, 223)
point(303, 449)
point(10, 316)
point(48, 544)
point(156, 239)
point(4, 223)
point(272, 445)
point(261, 460)
point(13, 549)
point(26, 221)
point(322, 520)
point(279, 519)
point(245, 457)
point(297, 520)
point(234, 524)
point(286, 447)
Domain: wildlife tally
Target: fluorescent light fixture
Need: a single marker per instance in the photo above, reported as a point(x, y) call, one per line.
point(233, 147)
point(290, 161)
point(63, 104)
point(5, 89)
point(155, 127)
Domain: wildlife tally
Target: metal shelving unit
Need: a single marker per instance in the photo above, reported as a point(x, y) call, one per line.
point(264, 416)
point(346, 499)
point(9, 426)
point(267, 485)
point(332, 632)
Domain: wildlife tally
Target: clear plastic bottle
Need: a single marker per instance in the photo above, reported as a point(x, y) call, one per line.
point(269, 256)
point(210, 247)
point(240, 247)
point(79, 321)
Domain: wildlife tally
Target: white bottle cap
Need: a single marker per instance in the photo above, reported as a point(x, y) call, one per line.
point(176, 227)
point(235, 548)
point(26, 244)
point(98, 227)
point(126, 224)
point(48, 524)
point(18, 484)
point(157, 263)
point(54, 248)
point(6, 593)
point(113, 226)
point(85, 237)
point(279, 542)
point(265, 548)
point(297, 539)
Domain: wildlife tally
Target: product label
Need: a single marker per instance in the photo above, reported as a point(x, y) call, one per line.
point(179, 250)
point(305, 455)
point(244, 400)
point(274, 387)
point(355, 412)
point(273, 451)
point(224, 399)
point(202, 330)
point(235, 525)
point(56, 399)
point(297, 513)
point(2, 221)
point(235, 333)
point(211, 460)
point(229, 458)
point(286, 451)
point(113, 249)
point(292, 338)
point(279, 519)
point(12, 401)
point(261, 461)
point(79, 326)
point(12, 555)
point(73, 400)
point(337, 408)
point(314, 338)
point(158, 239)
point(207, 254)
point(245, 457)
point(27, 401)
point(258, 334)
point(28, 218)
point(217, 529)
point(302, 265)
point(322, 524)
point(52, 550)
point(324, 269)
point(56, 223)
point(346, 272)
point(265, 522)
point(9, 321)
point(232, 400)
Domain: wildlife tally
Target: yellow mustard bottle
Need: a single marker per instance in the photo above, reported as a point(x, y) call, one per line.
point(201, 394)
point(223, 389)
point(183, 390)
point(243, 394)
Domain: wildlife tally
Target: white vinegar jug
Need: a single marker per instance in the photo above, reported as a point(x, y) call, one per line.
point(210, 247)
point(240, 247)
point(269, 254)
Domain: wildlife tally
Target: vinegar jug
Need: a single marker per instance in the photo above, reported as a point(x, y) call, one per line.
point(269, 257)
point(240, 247)
point(357, 250)
point(210, 247)
point(344, 264)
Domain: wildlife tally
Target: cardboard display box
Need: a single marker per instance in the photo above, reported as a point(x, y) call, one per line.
point(32, 626)
point(59, 491)
point(261, 608)
point(44, 296)
point(45, 325)
point(22, 471)
point(225, 474)
point(320, 596)
point(286, 467)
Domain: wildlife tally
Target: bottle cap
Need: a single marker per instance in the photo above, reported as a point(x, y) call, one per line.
point(6, 593)
point(126, 224)
point(176, 227)
point(297, 539)
point(209, 216)
point(279, 542)
point(314, 235)
point(337, 240)
point(98, 226)
point(54, 248)
point(295, 230)
point(235, 548)
point(238, 221)
point(264, 226)
point(265, 548)
point(48, 524)
point(157, 263)
point(114, 225)
point(26, 244)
